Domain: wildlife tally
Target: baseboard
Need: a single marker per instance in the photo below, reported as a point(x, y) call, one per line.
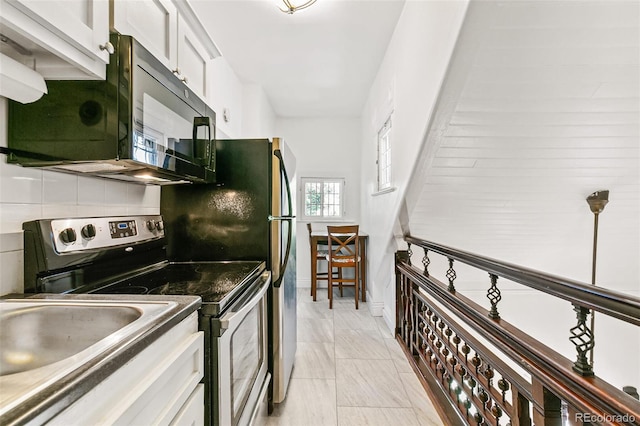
point(303, 283)
point(306, 283)
point(376, 308)
point(389, 319)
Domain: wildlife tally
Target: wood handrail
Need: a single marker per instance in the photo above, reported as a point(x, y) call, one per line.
point(589, 394)
point(554, 378)
point(612, 303)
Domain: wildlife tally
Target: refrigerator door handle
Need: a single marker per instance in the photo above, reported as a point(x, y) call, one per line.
point(283, 170)
point(278, 282)
point(283, 267)
point(272, 218)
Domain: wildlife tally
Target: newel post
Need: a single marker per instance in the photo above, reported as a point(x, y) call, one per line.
point(547, 407)
point(401, 323)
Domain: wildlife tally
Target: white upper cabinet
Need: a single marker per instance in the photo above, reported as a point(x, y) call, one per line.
point(68, 38)
point(153, 23)
point(170, 30)
point(193, 59)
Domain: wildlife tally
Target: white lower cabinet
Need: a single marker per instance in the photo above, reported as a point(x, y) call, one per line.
point(192, 412)
point(159, 386)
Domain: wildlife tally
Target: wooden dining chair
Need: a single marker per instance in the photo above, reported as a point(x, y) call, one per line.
point(321, 256)
point(343, 253)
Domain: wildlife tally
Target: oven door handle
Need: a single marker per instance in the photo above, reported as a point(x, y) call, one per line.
point(240, 308)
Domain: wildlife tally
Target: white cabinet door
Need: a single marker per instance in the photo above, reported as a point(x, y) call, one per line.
point(192, 412)
point(163, 30)
point(151, 388)
point(153, 23)
point(193, 59)
point(72, 30)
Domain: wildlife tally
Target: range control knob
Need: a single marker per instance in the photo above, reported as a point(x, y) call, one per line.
point(160, 226)
point(88, 231)
point(68, 236)
point(151, 225)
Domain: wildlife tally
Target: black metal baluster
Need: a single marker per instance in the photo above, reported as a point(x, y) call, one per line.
point(494, 296)
point(409, 253)
point(451, 275)
point(582, 338)
point(426, 261)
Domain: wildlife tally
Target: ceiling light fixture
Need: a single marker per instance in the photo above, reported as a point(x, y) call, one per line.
point(291, 8)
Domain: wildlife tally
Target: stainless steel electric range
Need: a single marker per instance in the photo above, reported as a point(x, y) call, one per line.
point(127, 255)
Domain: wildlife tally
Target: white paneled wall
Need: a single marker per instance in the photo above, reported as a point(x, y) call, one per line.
point(539, 109)
point(27, 194)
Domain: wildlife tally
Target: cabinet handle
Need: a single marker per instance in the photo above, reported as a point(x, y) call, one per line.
point(176, 71)
point(108, 47)
point(184, 80)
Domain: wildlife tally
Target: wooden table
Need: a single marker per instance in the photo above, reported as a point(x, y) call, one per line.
point(321, 237)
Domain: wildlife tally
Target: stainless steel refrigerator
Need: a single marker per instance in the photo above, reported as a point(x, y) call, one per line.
point(248, 214)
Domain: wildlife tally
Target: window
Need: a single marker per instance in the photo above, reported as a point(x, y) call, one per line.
point(384, 156)
point(323, 198)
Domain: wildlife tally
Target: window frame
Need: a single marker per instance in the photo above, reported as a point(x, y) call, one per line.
point(322, 180)
point(383, 158)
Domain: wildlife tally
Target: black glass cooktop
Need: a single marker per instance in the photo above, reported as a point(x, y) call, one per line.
point(215, 282)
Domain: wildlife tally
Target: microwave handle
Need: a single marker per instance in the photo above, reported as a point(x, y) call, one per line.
point(203, 122)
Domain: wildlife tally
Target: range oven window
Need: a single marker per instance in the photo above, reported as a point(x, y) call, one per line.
point(246, 358)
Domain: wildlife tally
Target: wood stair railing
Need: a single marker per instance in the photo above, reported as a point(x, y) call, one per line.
point(482, 389)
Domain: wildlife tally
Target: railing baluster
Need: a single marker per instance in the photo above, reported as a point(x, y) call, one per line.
point(409, 253)
point(480, 386)
point(504, 386)
point(451, 276)
point(582, 338)
point(426, 261)
point(494, 296)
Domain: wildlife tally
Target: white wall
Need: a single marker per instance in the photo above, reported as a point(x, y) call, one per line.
point(28, 194)
point(324, 147)
point(258, 117)
point(242, 110)
point(407, 84)
point(225, 97)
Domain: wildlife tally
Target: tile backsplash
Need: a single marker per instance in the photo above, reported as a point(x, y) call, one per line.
point(28, 194)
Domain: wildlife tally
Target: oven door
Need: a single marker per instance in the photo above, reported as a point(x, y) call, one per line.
point(242, 356)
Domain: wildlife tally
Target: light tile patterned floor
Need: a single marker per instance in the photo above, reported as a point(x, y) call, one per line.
point(350, 371)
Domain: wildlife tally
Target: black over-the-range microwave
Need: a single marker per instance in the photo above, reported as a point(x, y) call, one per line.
point(141, 124)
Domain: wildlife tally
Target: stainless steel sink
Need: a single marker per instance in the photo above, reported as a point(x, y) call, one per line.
point(35, 336)
point(43, 341)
